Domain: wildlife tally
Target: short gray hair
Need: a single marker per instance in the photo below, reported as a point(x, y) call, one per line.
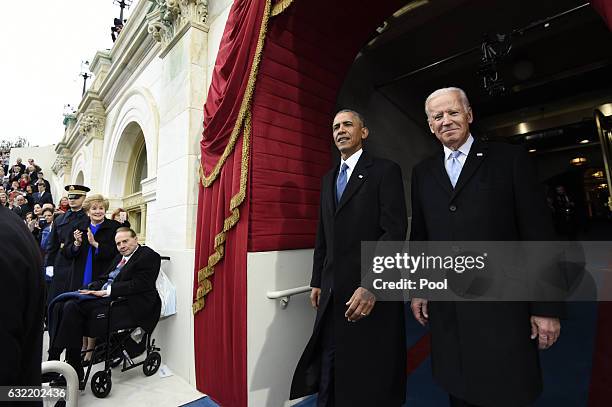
point(355, 113)
point(436, 93)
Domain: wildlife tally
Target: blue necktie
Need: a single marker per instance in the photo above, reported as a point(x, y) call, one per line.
point(454, 168)
point(113, 274)
point(341, 182)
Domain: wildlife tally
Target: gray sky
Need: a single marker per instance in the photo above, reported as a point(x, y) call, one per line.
point(42, 43)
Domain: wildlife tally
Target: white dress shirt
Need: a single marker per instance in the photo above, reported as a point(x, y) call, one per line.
point(351, 162)
point(126, 258)
point(465, 150)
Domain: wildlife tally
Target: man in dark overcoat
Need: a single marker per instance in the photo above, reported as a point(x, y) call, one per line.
point(356, 355)
point(483, 353)
point(58, 265)
point(132, 275)
point(22, 305)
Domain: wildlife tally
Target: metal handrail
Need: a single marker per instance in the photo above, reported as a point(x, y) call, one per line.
point(285, 295)
point(72, 380)
point(275, 295)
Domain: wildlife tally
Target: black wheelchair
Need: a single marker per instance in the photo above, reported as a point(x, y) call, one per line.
point(119, 347)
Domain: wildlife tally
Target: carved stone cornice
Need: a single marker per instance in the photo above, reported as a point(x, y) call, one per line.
point(171, 17)
point(133, 200)
point(92, 125)
point(62, 164)
point(91, 117)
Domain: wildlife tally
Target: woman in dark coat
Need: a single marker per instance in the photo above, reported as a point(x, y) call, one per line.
point(93, 249)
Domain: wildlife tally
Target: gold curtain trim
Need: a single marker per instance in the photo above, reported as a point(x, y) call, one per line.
point(245, 105)
point(204, 283)
point(244, 120)
point(280, 7)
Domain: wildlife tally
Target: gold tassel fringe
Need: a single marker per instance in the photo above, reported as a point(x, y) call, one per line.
point(281, 6)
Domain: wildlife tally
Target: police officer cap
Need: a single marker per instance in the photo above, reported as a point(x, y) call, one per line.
point(76, 191)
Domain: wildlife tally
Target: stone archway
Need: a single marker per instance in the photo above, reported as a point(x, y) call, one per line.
point(80, 178)
point(129, 169)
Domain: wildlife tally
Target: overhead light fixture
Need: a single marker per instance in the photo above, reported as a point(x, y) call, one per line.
point(603, 186)
point(606, 109)
point(523, 128)
point(410, 7)
point(533, 150)
point(578, 161)
point(585, 141)
point(598, 174)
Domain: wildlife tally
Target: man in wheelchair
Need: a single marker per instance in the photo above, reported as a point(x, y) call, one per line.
point(84, 313)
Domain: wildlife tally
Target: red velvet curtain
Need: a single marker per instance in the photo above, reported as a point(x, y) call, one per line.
point(220, 327)
point(604, 8)
point(220, 319)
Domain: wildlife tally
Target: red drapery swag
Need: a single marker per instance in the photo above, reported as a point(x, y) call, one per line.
point(604, 8)
point(222, 224)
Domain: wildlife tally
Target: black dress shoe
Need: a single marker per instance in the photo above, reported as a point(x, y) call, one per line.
point(59, 381)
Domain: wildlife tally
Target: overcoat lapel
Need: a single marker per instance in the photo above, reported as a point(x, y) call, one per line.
point(440, 175)
point(329, 192)
point(358, 177)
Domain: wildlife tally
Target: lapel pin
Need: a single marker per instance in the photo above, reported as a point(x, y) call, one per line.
point(360, 176)
point(479, 154)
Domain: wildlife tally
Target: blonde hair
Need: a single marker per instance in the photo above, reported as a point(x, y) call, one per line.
point(93, 199)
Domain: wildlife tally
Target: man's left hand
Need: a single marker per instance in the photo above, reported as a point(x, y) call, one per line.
point(360, 305)
point(100, 293)
point(546, 329)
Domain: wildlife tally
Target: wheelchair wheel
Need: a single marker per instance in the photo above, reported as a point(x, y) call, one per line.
point(151, 363)
point(101, 384)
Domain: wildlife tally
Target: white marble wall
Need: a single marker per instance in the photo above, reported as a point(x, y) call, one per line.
point(276, 337)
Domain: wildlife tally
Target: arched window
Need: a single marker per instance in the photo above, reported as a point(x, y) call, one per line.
point(80, 179)
point(140, 169)
point(134, 155)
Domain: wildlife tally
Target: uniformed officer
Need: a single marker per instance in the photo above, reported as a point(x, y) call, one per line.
point(58, 265)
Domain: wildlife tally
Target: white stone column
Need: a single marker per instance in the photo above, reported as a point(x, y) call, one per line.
point(180, 27)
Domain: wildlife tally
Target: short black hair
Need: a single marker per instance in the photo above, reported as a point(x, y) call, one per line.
point(354, 112)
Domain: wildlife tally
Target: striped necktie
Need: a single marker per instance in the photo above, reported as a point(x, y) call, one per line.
point(113, 274)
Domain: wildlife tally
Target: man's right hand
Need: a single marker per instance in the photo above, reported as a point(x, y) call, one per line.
point(419, 310)
point(315, 294)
